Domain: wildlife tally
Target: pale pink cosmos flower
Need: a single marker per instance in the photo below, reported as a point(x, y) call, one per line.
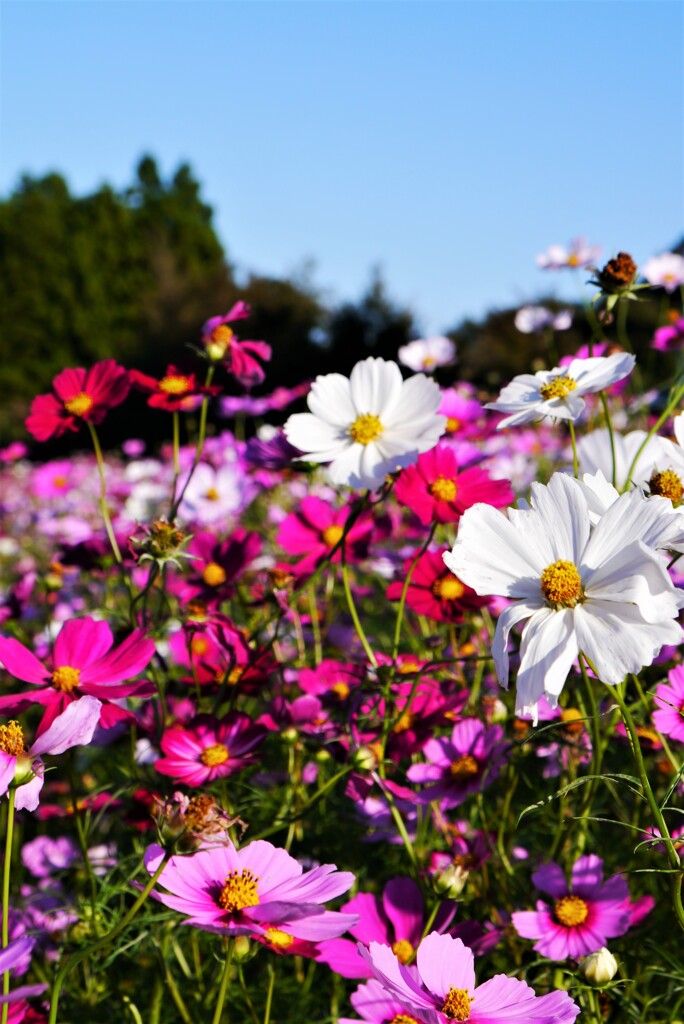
point(665, 271)
point(577, 254)
point(428, 354)
point(534, 319)
point(208, 748)
point(256, 890)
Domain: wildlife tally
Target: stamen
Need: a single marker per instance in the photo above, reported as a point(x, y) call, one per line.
point(332, 535)
point(457, 1004)
point(452, 424)
point(667, 484)
point(341, 690)
point(464, 767)
point(561, 584)
point(572, 721)
point(448, 587)
point(214, 575)
point(212, 494)
point(175, 385)
point(443, 489)
point(279, 939)
point(403, 950)
point(240, 891)
point(12, 739)
point(216, 754)
point(403, 1018)
point(557, 387)
point(365, 429)
point(66, 678)
point(79, 405)
point(570, 911)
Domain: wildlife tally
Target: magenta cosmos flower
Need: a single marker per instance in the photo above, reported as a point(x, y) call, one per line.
point(316, 528)
point(174, 392)
point(433, 592)
point(24, 768)
point(374, 1004)
point(441, 988)
point(216, 565)
point(239, 357)
point(206, 748)
point(669, 700)
point(438, 492)
point(257, 890)
point(82, 664)
point(670, 337)
point(80, 396)
point(583, 915)
point(461, 765)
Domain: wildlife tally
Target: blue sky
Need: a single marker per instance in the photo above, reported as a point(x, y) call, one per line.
point(446, 143)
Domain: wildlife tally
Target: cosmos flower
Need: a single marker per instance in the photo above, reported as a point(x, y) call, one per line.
point(252, 891)
point(427, 354)
point(434, 592)
point(239, 357)
point(313, 530)
point(665, 271)
point(12, 956)
point(463, 764)
point(24, 768)
point(558, 393)
point(600, 591)
point(441, 988)
point(80, 396)
point(175, 391)
point(669, 338)
point(208, 748)
point(369, 425)
point(584, 914)
point(668, 717)
point(637, 456)
point(82, 664)
point(577, 254)
point(534, 319)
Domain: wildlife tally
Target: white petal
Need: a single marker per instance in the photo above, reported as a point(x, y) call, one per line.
point(635, 576)
point(493, 557)
point(600, 372)
point(617, 640)
point(330, 400)
point(509, 617)
point(420, 400)
point(562, 507)
point(315, 437)
point(548, 649)
point(375, 386)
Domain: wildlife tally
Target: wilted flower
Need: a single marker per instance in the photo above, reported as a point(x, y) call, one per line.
point(618, 275)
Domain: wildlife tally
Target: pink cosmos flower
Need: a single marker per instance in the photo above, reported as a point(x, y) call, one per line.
point(81, 664)
point(375, 1005)
point(669, 699)
point(216, 565)
point(24, 768)
point(433, 592)
point(80, 396)
point(427, 354)
point(461, 765)
point(314, 530)
point(256, 890)
point(11, 956)
point(438, 492)
point(665, 271)
point(441, 988)
point(584, 914)
point(396, 919)
point(670, 337)
point(578, 254)
point(465, 416)
point(174, 392)
point(221, 343)
point(234, 405)
point(206, 748)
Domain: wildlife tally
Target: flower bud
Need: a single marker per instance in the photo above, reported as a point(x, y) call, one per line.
point(599, 968)
point(366, 759)
point(242, 948)
point(450, 883)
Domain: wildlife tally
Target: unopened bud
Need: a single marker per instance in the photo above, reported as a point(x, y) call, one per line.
point(242, 948)
point(599, 968)
point(450, 883)
point(365, 759)
point(290, 736)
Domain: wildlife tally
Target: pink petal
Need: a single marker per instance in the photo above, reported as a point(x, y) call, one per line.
point(74, 727)
point(21, 663)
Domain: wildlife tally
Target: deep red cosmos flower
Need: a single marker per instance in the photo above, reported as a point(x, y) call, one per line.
point(433, 592)
point(175, 391)
point(79, 396)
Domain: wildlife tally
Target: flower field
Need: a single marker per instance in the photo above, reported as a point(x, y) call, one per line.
point(368, 708)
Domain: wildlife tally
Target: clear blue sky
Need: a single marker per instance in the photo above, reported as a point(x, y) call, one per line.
point(447, 143)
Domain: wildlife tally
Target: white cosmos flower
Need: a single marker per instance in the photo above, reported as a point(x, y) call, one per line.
point(428, 353)
point(638, 457)
point(600, 591)
point(658, 523)
point(558, 392)
point(368, 425)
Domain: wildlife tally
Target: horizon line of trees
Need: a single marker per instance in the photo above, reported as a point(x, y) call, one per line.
point(133, 274)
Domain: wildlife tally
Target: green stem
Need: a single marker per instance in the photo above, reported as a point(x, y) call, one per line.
point(269, 994)
point(225, 978)
point(658, 818)
point(200, 444)
point(404, 592)
point(103, 494)
point(176, 455)
point(677, 394)
point(573, 441)
point(354, 614)
point(315, 624)
point(6, 872)
point(611, 435)
point(85, 954)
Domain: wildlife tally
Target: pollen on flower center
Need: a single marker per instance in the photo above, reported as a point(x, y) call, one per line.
point(79, 405)
point(457, 1004)
point(570, 911)
point(365, 428)
point(222, 334)
point(667, 484)
point(403, 950)
point(214, 575)
point(240, 891)
point(212, 494)
point(341, 690)
point(443, 489)
point(12, 739)
point(557, 387)
point(572, 721)
point(175, 385)
point(403, 1018)
point(279, 939)
point(217, 753)
point(332, 535)
point(448, 587)
point(65, 678)
point(561, 584)
point(404, 722)
point(464, 767)
point(452, 425)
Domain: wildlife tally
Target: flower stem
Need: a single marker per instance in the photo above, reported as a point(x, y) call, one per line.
point(103, 494)
point(225, 978)
point(354, 613)
point(611, 435)
point(269, 994)
point(200, 444)
point(404, 591)
point(6, 871)
point(573, 441)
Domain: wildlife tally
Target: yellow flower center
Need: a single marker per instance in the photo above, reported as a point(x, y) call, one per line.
point(452, 424)
point(175, 385)
point(443, 489)
point(572, 721)
point(668, 485)
point(199, 645)
point(365, 428)
point(404, 722)
point(557, 387)
point(403, 950)
point(573, 260)
point(341, 690)
point(448, 588)
point(457, 1004)
point(240, 891)
point(213, 574)
point(60, 481)
point(66, 678)
point(464, 767)
point(331, 535)
point(79, 405)
point(216, 754)
point(561, 584)
point(222, 335)
point(403, 1018)
point(212, 494)
point(12, 739)
point(570, 911)
point(278, 939)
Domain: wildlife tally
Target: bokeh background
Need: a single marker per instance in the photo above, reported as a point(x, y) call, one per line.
point(361, 173)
